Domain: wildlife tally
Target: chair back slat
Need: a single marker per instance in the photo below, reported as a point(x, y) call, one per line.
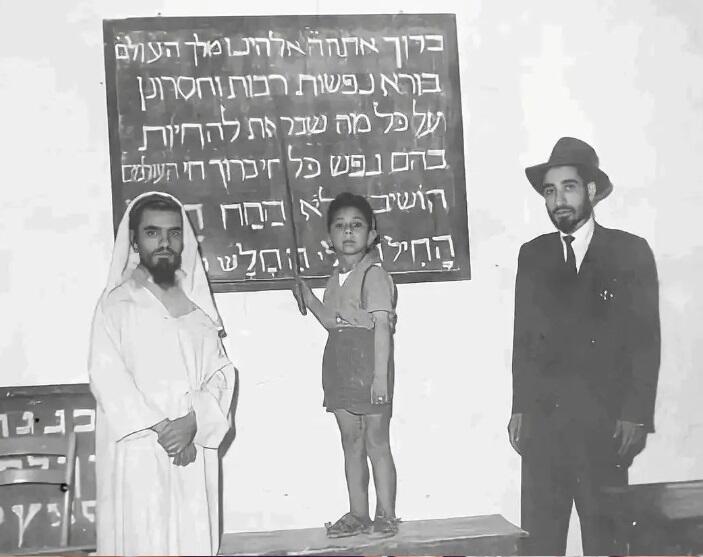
point(18, 446)
point(63, 476)
point(32, 476)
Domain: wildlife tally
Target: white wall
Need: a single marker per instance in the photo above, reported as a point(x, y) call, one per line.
point(624, 76)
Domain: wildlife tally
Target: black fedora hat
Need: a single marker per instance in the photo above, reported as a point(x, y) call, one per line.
point(570, 151)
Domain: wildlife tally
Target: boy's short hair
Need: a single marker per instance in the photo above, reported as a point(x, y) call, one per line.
point(152, 202)
point(348, 199)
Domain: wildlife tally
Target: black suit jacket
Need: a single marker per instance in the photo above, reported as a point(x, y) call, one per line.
point(587, 348)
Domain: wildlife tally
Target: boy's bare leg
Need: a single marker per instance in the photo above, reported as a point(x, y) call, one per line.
point(356, 468)
point(378, 447)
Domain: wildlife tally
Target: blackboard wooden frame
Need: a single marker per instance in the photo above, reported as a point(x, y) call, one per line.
point(455, 156)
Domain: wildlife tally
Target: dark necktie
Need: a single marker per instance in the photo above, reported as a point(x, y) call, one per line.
point(570, 256)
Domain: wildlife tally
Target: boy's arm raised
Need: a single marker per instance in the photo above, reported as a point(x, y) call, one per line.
point(326, 317)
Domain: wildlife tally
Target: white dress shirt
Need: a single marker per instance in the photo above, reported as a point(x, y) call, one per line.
point(582, 239)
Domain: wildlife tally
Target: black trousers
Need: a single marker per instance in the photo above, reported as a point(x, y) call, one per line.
point(564, 463)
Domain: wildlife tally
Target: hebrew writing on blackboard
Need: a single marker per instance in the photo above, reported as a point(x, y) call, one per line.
point(211, 110)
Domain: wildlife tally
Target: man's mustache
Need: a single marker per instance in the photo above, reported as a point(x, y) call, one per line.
point(563, 208)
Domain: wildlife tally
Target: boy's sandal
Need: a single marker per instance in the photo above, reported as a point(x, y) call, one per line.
point(348, 525)
point(384, 527)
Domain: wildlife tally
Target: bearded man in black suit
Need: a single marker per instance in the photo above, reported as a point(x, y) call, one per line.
point(585, 355)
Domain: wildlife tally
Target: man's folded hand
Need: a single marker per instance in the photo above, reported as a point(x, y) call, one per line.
point(186, 456)
point(178, 434)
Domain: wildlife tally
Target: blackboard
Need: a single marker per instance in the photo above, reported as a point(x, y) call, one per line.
point(30, 515)
point(217, 110)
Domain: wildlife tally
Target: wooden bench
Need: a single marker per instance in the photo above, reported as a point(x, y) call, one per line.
point(657, 518)
point(479, 535)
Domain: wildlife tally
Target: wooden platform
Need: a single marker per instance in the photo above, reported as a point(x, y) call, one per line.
point(478, 535)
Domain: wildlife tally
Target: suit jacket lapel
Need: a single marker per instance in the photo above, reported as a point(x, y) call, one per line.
point(595, 250)
point(596, 273)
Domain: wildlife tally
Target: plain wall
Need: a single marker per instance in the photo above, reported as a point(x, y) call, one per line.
point(624, 76)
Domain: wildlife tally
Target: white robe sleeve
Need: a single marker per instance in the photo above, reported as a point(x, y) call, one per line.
point(113, 386)
point(211, 404)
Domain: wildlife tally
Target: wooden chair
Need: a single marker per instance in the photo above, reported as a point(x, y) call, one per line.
point(63, 478)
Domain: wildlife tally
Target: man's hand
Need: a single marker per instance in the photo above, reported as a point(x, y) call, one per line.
point(158, 428)
point(186, 456)
point(633, 438)
point(178, 434)
point(516, 432)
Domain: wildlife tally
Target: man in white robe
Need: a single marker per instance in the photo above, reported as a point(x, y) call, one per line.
point(163, 386)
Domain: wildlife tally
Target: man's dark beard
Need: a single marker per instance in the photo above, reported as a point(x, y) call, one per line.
point(568, 224)
point(164, 271)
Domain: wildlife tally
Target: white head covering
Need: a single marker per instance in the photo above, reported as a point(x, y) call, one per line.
point(191, 276)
